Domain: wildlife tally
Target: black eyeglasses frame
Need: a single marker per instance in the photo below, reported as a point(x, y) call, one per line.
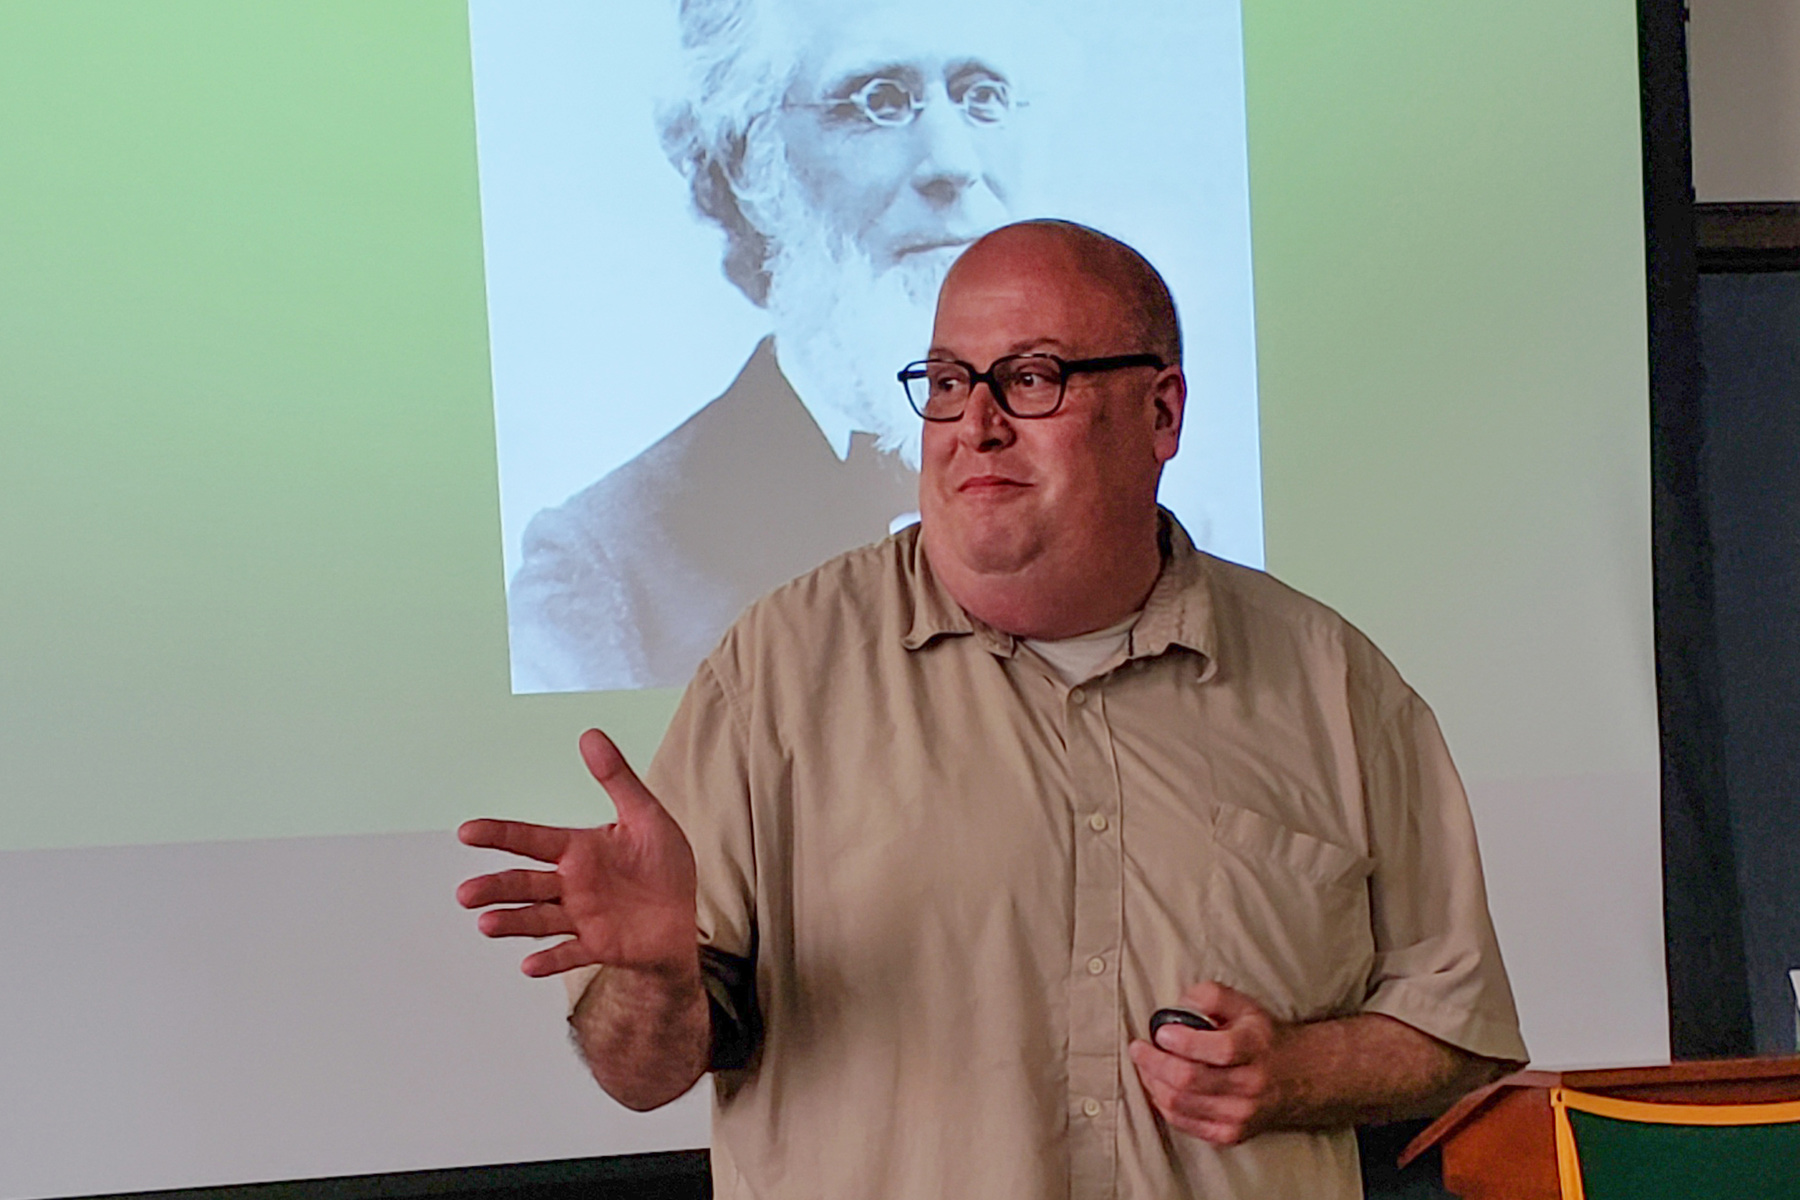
point(1065, 367)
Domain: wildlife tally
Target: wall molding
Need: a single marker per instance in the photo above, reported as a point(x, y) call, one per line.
point(1748, 237)
point(669, 1175)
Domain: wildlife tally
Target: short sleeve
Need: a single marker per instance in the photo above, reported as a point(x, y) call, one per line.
point(1437, 962)
point(701, 775)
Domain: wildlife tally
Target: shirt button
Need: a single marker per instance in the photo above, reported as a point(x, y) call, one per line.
point(1097, 822)
point(1096, 965)
point(1077, 696)
point(1091, 1107)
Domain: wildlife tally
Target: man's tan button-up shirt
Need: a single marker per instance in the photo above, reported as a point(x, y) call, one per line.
point(965, 885)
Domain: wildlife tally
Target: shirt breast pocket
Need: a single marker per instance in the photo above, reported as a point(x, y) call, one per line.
point(1290, 916)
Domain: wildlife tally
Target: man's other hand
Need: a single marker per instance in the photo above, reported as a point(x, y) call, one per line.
point(1255, 1073)
point(1214, 1084)
point(623, 894)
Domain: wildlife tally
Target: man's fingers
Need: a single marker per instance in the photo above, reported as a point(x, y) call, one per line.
point(564, 956)
point(1181, 1092)
point(1212, 1047)
point(1187, 1075)
point(545, 843)
point(1171, 1099)
point(1224, 1005)
point(1245, 1027)
point(533, 920)
point(509, 887)
point(1174, 1072)
point(629, 795)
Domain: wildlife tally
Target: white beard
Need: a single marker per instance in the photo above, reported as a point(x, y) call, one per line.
point(843, 329)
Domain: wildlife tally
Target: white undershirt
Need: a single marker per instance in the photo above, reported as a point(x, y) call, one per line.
point(1078, 658)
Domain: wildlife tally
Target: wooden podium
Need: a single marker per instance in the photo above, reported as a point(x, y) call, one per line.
point(1499, 1142)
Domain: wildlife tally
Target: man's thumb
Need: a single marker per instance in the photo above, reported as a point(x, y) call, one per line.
point(629, 795)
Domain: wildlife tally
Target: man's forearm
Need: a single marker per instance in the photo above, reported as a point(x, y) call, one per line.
point(646, 1036)
point(1364, 1070)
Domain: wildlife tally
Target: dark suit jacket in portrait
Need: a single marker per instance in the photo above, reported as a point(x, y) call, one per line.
point(631, 582)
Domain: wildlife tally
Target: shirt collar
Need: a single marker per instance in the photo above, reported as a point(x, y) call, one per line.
point(1178, 612)
point(935, 614)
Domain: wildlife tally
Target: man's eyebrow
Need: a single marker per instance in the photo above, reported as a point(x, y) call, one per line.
point(847, 81)
point(973, 66)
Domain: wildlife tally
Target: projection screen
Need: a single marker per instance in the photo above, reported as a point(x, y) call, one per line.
point(312, 310)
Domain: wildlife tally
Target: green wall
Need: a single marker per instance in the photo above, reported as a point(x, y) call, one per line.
point(248, 528)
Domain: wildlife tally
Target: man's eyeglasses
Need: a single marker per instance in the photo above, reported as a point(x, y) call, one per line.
point(891, 103)
point(1024, 385)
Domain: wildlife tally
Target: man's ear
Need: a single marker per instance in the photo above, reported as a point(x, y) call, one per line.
point(1168, 401)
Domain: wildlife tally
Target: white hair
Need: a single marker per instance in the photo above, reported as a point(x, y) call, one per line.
point(737, 69)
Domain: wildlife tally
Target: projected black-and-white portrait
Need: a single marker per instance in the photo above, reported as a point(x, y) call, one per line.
point(715, 229)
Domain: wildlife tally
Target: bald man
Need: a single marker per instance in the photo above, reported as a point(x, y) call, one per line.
point(940, 825)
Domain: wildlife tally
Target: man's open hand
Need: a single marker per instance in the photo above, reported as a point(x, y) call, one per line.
point(623, 893)
point(1218, 1085)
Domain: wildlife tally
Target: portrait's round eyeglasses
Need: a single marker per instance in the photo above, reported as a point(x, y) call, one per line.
point(1024, 385)
point(891, 103)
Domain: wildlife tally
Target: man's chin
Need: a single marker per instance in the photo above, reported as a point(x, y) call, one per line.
point(987, 542)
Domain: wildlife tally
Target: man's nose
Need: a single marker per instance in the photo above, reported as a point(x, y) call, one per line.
point(950, 164)
point(984, 425)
